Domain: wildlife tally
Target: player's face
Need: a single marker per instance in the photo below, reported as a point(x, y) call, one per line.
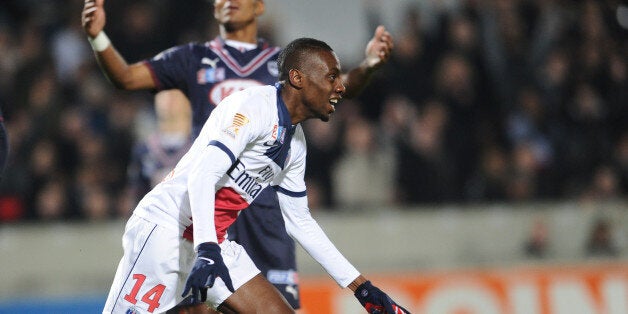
point(235, 14)
point(323, 86)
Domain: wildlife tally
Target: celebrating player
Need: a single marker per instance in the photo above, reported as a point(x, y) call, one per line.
point(251, 141)
point(207, 73)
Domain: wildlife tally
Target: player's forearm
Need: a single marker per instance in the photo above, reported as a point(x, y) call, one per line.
point(116, 69)
point(119, 73)
point(356, 79)
point(305, 230)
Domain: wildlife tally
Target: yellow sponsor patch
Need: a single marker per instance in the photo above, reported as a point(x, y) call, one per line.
point(239, 120)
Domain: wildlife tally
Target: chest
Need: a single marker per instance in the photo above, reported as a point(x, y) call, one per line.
point(221, 73)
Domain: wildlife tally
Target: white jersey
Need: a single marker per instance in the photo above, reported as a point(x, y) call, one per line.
point(247, 144)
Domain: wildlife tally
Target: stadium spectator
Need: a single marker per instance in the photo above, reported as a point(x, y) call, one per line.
point(537, 244)
point(363, 175)
point(553, 40)
point(601, 241)
point(156, 155)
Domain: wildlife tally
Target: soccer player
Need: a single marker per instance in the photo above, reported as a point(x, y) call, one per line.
point(175, 243)
point(156, 155)
point(208, 72)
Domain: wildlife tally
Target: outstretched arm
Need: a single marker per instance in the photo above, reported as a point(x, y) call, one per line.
point(303, 228)
point(377, 51)
point(120, 74)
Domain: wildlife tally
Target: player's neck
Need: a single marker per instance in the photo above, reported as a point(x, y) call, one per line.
point(295, 106)
point(245, 35)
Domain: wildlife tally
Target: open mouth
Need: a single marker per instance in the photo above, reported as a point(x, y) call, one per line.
point(333, 102)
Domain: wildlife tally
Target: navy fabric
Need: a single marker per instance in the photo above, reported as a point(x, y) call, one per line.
point(261, 231)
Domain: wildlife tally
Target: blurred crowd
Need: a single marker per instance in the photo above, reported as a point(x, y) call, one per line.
point(488, 101)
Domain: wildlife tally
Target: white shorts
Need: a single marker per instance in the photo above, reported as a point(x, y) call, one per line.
point(155, 266)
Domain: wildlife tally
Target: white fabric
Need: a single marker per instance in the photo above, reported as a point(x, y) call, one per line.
point(301, 226)
point(161, 257)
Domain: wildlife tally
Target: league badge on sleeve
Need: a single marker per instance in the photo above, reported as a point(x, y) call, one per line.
point(239, 120)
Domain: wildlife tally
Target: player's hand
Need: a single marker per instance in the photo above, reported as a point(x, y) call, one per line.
point(93, 17)
point(375, 301)
point(209, 265)
point(379, 47)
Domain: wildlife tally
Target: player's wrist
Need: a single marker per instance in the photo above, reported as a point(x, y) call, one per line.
point(208, 248)
point(100, 42)
point(369, 65)
point(356, 283)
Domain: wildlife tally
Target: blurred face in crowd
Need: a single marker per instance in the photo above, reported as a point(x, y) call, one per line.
point(237, 14)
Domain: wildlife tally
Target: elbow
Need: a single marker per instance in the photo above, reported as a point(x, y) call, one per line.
point(125, 82)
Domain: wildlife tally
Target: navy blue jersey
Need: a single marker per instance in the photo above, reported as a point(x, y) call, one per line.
point(211, 71)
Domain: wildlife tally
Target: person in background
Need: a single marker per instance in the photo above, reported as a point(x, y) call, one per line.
point(157, 154)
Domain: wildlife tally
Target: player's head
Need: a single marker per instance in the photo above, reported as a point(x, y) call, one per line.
point(312, 68)
point(237, 14)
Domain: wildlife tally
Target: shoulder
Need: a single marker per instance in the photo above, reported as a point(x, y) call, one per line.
point(185, 50)
point(259, 100)
point(258, 94)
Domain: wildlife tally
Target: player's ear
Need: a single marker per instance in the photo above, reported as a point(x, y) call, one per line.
point(296, 78)
point(260, 8)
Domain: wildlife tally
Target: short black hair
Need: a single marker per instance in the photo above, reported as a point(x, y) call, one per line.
point(292, 56)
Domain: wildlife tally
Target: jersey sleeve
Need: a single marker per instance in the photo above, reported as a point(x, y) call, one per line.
point(226, 133)
point(303, 228)
point(208, 168)
point(171, 67)
point(236, 122)
point(299, 222)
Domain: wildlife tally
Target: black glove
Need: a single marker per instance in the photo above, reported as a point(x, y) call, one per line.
point(375, 301)
point(208, 266)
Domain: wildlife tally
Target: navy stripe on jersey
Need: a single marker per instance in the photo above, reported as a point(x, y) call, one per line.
point(224, 149)
point(278, 151)
point(289, 193)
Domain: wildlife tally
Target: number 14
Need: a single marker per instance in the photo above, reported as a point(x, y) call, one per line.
point(151, 297)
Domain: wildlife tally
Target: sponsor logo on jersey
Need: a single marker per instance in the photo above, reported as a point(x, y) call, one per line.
point(251, 183)
point(278, 136)
point(228, 87)
point(210, 62)
point(132, 310)
point(210, 75)
point(281, 134)
point(292, 289)
point(283, 277)
point(272, 67)
point(239, 120)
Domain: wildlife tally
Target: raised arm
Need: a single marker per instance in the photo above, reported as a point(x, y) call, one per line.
point(122, 75)
point(377, 52)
